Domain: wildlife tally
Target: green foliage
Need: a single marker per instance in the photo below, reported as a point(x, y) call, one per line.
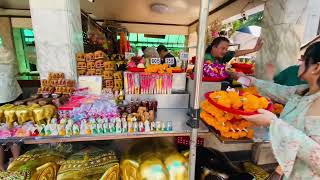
point(252, 20)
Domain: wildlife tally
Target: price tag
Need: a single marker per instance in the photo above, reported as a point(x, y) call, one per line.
point(184, 56)
point(129, 55)
point(169, 61)
point(155, 61)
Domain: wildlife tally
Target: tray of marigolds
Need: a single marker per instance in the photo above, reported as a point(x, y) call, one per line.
point(222, 111)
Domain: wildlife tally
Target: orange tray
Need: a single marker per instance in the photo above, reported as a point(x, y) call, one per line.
point(231, 110)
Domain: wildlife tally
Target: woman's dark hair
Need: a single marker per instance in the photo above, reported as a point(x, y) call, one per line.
point(216, 42)
point(312, 56)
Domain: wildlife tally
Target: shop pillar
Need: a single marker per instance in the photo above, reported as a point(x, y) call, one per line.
point(6, 32)
point(312, 21)
point(282, 32)
point(58, 35)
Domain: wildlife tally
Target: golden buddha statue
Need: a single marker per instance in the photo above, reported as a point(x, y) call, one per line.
point(90, 164)
point(154, 159)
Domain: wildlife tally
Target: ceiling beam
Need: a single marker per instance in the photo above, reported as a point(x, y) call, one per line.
point(229, 2)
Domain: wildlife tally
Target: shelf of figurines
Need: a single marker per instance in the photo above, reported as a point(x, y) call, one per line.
point(168, 123)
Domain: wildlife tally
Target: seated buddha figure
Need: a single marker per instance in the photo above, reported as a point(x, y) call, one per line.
point(90, 163)
point(39, 163)
point(154, 159)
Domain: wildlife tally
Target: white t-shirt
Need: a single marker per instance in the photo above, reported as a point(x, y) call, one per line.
point(9, 87)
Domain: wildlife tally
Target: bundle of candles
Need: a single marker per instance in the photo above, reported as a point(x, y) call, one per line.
point(147, 83)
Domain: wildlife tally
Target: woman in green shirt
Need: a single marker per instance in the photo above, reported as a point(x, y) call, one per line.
point(218, 51)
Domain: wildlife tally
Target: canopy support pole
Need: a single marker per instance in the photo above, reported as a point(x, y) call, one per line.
point(194, 121)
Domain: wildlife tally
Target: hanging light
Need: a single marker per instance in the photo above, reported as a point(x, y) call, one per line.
point(159, 8)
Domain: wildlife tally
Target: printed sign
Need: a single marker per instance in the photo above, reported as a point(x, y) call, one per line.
point(184, 56)
point(155, 61)
point(169, 61)
point(93, 83)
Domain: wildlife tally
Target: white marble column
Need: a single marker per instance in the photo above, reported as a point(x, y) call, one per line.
point(282, 33)
point(6, 32)
point(312, 21)
point(58, 35)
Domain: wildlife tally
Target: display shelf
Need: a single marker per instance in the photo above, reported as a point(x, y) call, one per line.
point(178, 117)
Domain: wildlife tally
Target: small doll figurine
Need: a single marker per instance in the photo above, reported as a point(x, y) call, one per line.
point(106, 127)
point(94, 129)
point(152, 126)
point(112, 128)
point(141, 127)
point(135, 126)
point(48, 130)
point(130, 127)
point(83, 127)
point(118, 127)
point(69, 128)
point(88, 130)
point(62, 130)
point(54, 130)
point(147, 126)
point(75, 129)
point(124, 126)
point(100, 128)
point(158, 126)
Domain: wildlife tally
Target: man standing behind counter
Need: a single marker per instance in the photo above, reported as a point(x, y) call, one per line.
point(218, 50)
point(165, 56)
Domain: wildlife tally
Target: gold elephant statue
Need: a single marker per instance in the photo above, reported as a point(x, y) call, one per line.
point(44, 114)
point(25, 114)
point(37, 164)
point(10, 115)
point(90, 164)
point(154, 159)
point(2, 109)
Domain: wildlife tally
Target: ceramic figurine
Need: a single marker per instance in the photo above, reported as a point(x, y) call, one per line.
point(106, 127)
point(112, 127)
point(152, 126)
point(75, 129)
point(88, 128)
point(54, 130)
point(163, 126)
point(141, 127)
point(83, 127)
point(94, 129)
point(100, 128)
point(169, 126)
point(135, 126)
point(47, 130)
point(124, 126)
point(147, 126)
point(69, 129)
point(61, 129)
point(130, 127)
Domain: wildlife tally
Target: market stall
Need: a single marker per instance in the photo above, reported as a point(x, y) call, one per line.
point(118, 95)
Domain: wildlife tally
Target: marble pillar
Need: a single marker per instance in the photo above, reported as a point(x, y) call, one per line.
point(312, 21)
point(6, 32)
point(282, 32)
point(58, 35)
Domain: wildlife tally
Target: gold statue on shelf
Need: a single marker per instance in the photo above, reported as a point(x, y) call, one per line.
point(90, 163)
point(44, 114)
point(37, 164)
point(2, 109)
point(154, 158)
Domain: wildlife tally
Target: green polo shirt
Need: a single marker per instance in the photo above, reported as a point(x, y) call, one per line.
point(224, 60)
point(289, 77)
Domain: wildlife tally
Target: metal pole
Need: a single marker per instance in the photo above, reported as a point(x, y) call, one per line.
point(203, 17)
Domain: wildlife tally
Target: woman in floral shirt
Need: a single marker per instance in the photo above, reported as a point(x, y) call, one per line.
point(295, 135)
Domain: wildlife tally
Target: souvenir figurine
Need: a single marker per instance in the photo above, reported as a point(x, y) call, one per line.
point(54, 130)
point(47, 130)
point(163, 126)
point(106, 127)
point(88, 128)
point(118, 127)
point(130, 127)
point(83, 127)
point(124, 126)
point(100, 128)
point(69, 128)
point(112, 128)
point(61, 129)
point(169, 126)
point(75, 129)
point(147, 126)
point(135, 126)
point(94, 128)
point(158, 126)
point(41, 129)
point(152, 126)
point(141, 127)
